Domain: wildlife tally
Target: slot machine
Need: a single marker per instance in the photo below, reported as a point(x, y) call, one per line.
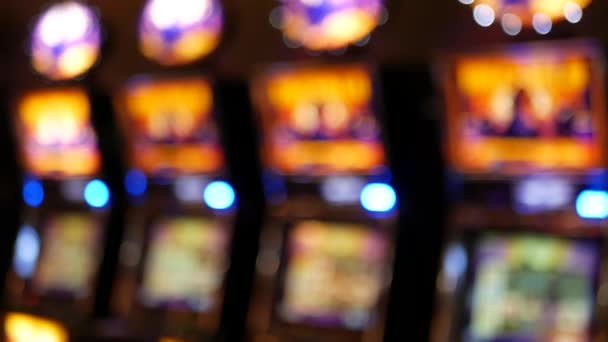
point(526, 145)
point(176, 248)
point(325, 255)
point(52, 286)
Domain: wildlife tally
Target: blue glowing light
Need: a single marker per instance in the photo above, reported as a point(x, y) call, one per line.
point(378, 197)
point(219, 195)
point(27, 249)
point(33, 192)
point(136, 182)
point(96, 193)
point(592, 204)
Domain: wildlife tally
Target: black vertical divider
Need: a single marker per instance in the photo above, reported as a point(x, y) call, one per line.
point(10, 198)
point(414, 149)
point(240, 142)
point(110, 145)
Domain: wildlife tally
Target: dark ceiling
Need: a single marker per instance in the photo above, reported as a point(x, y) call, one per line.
point(417, 31)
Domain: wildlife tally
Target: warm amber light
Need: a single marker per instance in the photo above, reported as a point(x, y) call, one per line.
point(328, 24)
point(57, 138)
point(319, 120)
point(533, 109)
point(26, 328)
point(66, 40)
point(170, 126)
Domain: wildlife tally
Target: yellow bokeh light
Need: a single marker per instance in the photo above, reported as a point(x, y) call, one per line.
point(20, 327)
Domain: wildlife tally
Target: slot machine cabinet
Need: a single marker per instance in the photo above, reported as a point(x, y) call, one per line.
point(181, 212)
point(53, 285)
point(176, 250)
point(325, 255)
point(525, 140)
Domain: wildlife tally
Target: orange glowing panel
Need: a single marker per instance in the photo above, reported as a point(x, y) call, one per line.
point(335, 274)
point(170, 126)
point(526, 109)
point(319, 120)
point(69, 256)
point(20, 327)
point(56, 136)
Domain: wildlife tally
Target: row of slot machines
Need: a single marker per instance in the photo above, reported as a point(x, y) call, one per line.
point(146, 216)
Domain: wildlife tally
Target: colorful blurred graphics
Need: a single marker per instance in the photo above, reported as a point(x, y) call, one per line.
point(530, 288)
point(66, 40)
point(57, 138)
point(526, 110)
point(170, 126)
point(176, 32)
point(20, 327)
point(186, 263)
point(319, 120)
point(70, 254)
point(335, 274)
point(329, 24)
point(526, 10)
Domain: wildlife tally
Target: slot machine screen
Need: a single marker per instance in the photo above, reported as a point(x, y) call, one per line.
point(170, 126)
point(319, 120)
point(69, 256)
point(527, 108)
point(532, 288)
point(185, 264)
point(56, 136)
point(334, 274)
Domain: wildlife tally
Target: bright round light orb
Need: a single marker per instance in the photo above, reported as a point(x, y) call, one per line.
point(592, 204)
point(542, 23)
point(329, 24)
point(466, 2)
point(33, 192)
point(136, 182)
point(573, 12)
point(219, 195)
point(484, 15)
point(511, 24)
point(66, 40)
point(96, 194)
point(177, 32)
point(378, 197)
point(27, 249)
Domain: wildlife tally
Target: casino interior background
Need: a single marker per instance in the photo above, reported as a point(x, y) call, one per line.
point(437, 237)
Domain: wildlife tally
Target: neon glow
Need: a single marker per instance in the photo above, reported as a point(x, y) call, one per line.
point(540, 14)
point(176, 32)
point(27, 250)
point(219, 195)
point(66, 40)
point(96, 193)
point(592, 204)
point(33, 192)
point(136, 182)
point(378, 197)
point(329, 24)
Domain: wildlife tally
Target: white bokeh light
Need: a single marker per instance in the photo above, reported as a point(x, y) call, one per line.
point(511, 24)
point(573, 12)
point(466, 2)
point(64, 23)
point(542, 23)
point(484, 15)
point(166, 14)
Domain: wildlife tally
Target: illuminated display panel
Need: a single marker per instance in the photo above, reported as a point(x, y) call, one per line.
point(170, 126)
point(319, 120)
point(20, 327)
point(329, 24)
point(334, 275)
point(56, 135)
point(176, 32)
point(185, 264)
point(533, 289)
point(526, 109)
point(66, 40)
point(70, 255)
